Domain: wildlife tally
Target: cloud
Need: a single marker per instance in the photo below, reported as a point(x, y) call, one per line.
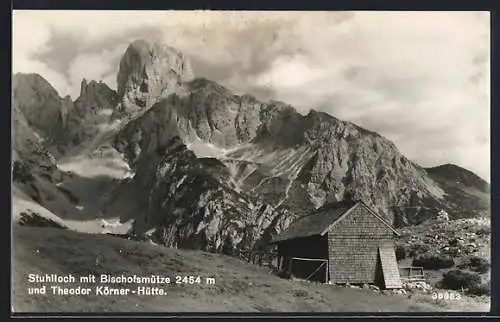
point(94, 66)
point(419, 78)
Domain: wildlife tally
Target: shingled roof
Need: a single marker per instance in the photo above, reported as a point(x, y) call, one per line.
point(320, 220)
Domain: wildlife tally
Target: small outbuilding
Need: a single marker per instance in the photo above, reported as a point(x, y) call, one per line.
point(340, 243)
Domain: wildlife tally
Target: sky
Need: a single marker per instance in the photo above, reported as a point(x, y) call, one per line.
point(421, 79)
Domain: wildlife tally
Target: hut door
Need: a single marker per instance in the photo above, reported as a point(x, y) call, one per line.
point(309, 269)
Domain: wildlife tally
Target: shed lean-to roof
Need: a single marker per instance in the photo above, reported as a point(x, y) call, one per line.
point(390, 268)
point(321, 220)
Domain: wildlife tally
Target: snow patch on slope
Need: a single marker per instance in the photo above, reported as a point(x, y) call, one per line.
point(206, 150)
point(103, 162)
point(105, 112)
point(432, 188)
point(22, 203)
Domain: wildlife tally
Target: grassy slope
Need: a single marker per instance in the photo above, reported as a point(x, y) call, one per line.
point(240, 287)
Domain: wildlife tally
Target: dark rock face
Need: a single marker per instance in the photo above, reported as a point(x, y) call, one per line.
point(39, 103)
point(208, 113)
point(149, 71)
point(34, 168)
point(95, 95)
point(37, 176)
point(28, 146)
point(66, 109)
point(24, 139)
point(188, 202)
point(91, 110)
point(36, 220)
point(335, 159)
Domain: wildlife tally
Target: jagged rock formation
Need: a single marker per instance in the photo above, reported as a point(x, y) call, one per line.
point(291, 162)
point(215, 170)
point(95, 96)
point(189, 202)
point(66, 109)
point(32, 130)
point(36, 175)
point(39, 140)
point(24, 139)
point(284, 158)
point(149, 72)
point(39, 103)
point(91, 111)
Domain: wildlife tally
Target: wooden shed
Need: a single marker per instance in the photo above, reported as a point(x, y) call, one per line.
point(343, 242)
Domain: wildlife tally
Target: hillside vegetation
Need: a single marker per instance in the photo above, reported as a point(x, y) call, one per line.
point(239, 286)
point(456, 247)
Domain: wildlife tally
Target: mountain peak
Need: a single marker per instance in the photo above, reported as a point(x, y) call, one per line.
point(140, 45)
point(95, 94)
point(33, 80)
point(459, 175)
point(39, 102)
point(151, 70)
point(29, 75)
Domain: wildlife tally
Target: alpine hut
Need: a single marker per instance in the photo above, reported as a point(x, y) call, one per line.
point(342, 242)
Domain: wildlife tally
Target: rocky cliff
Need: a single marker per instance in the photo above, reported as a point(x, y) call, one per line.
point(39, 103)
point(218, 171)
point(286, 159)
point(187, 201)
point(90, 113)
point(35, 172)
point(148, 72)
point(44, 127)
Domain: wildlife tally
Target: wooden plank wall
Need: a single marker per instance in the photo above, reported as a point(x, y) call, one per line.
point(353, 247)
